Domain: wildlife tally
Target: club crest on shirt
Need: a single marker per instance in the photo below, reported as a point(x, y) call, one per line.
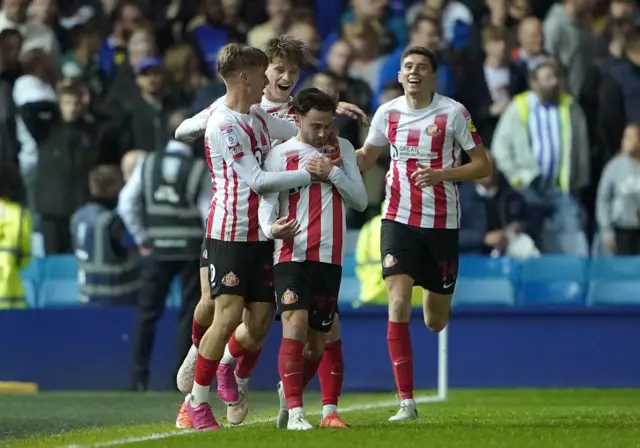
point(289, 297)
point(230, 280)
point(433, 130)
point(389, 260)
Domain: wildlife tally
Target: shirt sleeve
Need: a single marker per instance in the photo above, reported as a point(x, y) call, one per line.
point(348, 180)
point(464, 131)
point(377, 135)
point(229, 140)
point(279, 128)
point(194, 127)
point(129, 205)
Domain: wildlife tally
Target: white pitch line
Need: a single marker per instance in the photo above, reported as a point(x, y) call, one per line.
point(166, 435)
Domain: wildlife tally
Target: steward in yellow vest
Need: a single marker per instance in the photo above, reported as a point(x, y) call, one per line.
point(15, 239)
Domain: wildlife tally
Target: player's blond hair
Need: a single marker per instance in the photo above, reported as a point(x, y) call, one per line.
point(287, 49)
point(234, 57)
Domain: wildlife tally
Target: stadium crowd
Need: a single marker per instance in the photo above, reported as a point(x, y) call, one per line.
point(553, 87)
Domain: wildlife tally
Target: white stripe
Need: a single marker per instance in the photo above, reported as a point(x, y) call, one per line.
point(166, 435)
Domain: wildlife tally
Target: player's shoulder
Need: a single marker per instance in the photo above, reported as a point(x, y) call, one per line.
point(345, 145)
point(285, 147)
point(396, 104)
point(217, 103)
point(257, 110)
point(449, 105)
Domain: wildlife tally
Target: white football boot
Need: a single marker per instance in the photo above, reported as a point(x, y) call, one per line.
point(407, 411)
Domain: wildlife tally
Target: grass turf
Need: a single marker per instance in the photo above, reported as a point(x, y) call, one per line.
point(470, 418)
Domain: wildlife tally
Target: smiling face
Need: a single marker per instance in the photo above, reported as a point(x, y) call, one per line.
point(283, 77)
point(417, 74)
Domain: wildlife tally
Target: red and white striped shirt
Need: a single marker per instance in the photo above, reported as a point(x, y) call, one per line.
point(230, 137)
point(432, 137)
point(319, 207)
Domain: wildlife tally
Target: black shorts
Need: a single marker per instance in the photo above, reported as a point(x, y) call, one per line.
point(428, 256)
point(310, 286)
point(240, 269)
point(204, 259)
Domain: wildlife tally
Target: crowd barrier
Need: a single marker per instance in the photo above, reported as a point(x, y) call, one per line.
point(549, 322)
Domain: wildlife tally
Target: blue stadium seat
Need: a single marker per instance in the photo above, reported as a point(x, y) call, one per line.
point(351, 241)
point(173, 298)
point(58, 293)
point(33, 272)
point(485, 281)
point(614, 281)
point(60, 267)
point(553, 280)
point(349, 266)
point(349, 290)
point(30, 293)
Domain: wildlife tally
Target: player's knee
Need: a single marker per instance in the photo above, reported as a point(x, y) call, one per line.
point(228, 312)
point(399, 306)
point(295, 324)
point(312, 351)
point(259, 324)
point(435, 323)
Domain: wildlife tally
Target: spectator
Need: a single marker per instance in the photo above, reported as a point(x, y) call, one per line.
point(184, 70)
point(391, 29)
point(352, 90)
point(455, 18)
point(424, 32)
point(234, 19)
point(619, 98)
point(618, 203)
point(279, 12)
point(566, 37)
point(10, 42)
point(530, 51)
point(129, 162)
point(80, 62)
point(390, 92)
point(307, 32)
point(504, 14)
point(67, 153)
point(150, 111)
point(492, 217)
point(33, 95)
point(209, 32)
point(108, 269)
point(47, 13)
point(125, 19)
point(14, 15)
point(15, 238)
point(489, 87)
point(542, 147)
point(366, 61)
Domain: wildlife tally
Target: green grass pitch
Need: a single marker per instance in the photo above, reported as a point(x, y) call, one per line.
point(469, 418)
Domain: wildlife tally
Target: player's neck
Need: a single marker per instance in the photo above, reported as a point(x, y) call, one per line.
point(420, 100)
point(237, 102)
point(272, 99)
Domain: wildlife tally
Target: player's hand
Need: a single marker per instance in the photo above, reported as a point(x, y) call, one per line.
point(320, 167)
point(332, 149)
point(352, 111)
point(425, 176)
point(285, 230)
point(495, 238)
point(144, 249)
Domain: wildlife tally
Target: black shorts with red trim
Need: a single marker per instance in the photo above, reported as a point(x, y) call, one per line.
point(428, 256)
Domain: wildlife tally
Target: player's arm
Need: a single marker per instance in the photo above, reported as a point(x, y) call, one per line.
point(194, 127)
point(375, 144)
point(236, 150)
point(271, 226)
point(279, 128)
point(465, 135)
point(129, 203)
point(348, 180)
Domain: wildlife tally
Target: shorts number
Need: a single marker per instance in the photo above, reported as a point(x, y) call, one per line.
point(212, 275)
point(258, 155)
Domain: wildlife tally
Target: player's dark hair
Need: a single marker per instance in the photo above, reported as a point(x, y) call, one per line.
point(422, 51)
point(307, 99)
point(286, 49)
point(233, 57)
point(415, 25)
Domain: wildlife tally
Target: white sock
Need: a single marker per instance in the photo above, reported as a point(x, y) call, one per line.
point(409, 402)
point(199, 394)
point(226, 357)
point(242, 381)
point(294, 412)
point(328, 409)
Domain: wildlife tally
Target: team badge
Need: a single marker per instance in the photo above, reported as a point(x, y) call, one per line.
point(289, 297)
point(389, 261)
point(433, 130)
point(230, 280)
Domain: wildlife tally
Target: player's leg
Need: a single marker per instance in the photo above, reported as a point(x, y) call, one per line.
point(293, 301)
point(229, 270)
point(398, 246)
point(331, 375)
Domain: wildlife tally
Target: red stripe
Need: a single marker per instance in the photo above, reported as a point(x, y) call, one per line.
point(394, 193)
point(455, 186)
point(286, 253)
point(234, 219)
point(439, 192)
point(264, 126)
point(223, 231)
point(337, 219)
point(415, 193)
point(314, 227)
point(254, 199)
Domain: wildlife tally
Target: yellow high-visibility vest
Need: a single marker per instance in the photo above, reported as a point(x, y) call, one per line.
point(15, 252)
